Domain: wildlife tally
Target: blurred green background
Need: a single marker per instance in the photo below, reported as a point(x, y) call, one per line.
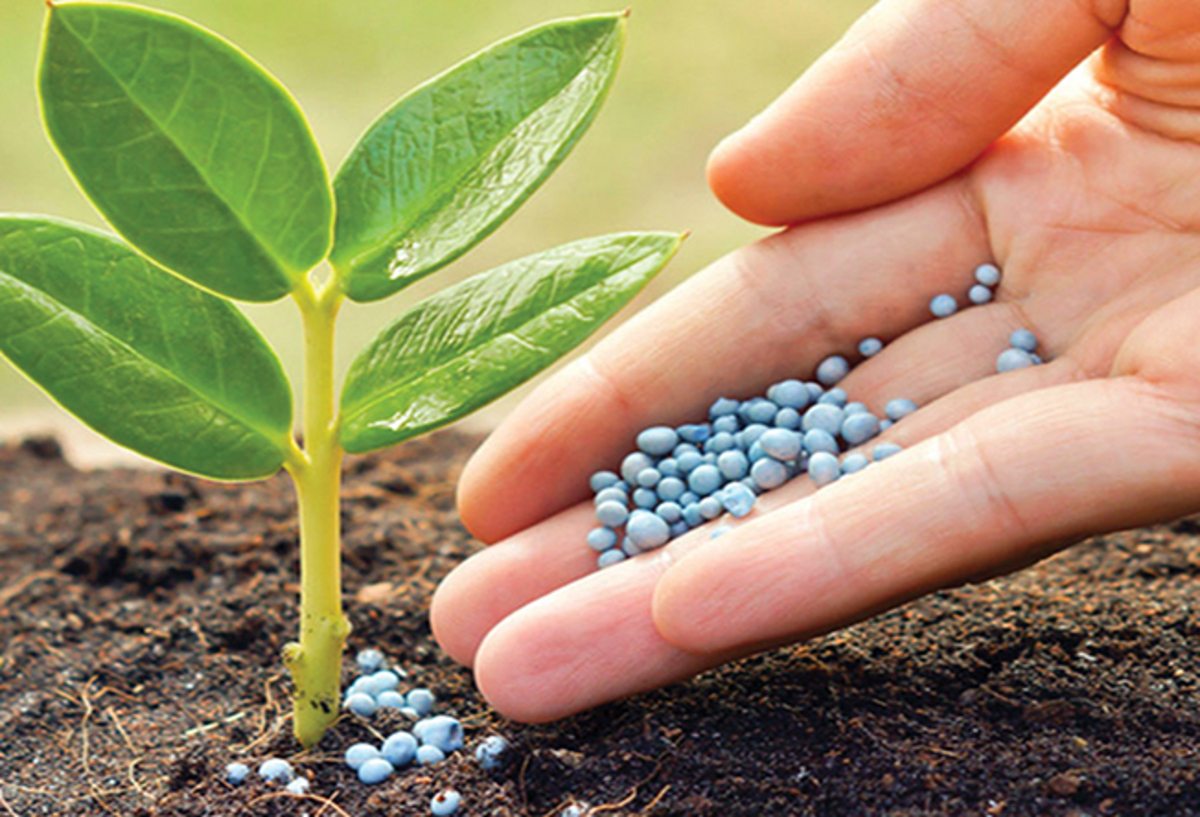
point(693, 72)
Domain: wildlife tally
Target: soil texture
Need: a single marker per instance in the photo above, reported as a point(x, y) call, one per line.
point(142, 615)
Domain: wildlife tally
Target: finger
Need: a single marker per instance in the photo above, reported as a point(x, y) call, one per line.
point(491, 584)
point(584, 645)
point(1051, 466)
point(1154, 68)
point(769, 311)
point(942, 414)
point(947, 355)
point(928, 421)
point(938, 358)
point(914, 92)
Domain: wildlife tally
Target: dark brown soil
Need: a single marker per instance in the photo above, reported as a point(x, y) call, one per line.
point(142, 614)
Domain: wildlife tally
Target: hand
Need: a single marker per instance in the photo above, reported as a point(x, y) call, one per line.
point(905, 157)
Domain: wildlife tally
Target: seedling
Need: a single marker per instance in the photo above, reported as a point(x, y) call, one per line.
point(203, 163)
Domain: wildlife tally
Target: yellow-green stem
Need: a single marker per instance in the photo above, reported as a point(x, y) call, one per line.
point(315, 662)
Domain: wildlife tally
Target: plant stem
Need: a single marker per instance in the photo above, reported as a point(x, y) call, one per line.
point(316, 661)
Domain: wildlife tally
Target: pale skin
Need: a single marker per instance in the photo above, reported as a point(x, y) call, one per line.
point(901, 160)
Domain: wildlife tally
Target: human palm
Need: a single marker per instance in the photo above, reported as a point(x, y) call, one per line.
point(898, 159)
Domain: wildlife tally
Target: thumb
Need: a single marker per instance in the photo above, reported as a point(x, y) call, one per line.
point(914, 92)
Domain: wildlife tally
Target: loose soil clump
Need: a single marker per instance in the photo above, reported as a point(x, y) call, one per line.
point(142, 614)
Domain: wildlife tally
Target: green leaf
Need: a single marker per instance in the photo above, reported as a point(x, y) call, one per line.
point(192, 151)
point(453, 159)
point(144, 358)
point(467, 345)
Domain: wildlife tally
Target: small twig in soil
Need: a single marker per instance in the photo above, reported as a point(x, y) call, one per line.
point(620, 804)
point(133, 752)
point(29, 789)
point(57, 794)
point(658, 797)
point(1002, 698)
point(123, 695)
point(208, 727)
point(266, 731)
point(96, 792)
point(329, 804)
point(13, 590)
point(325, 801)
point(417, 579)
point(194, 627)
point(937, 750)
point(521, 785)
point(862, 727)
point(633, 793)
point(131, 771)
point(55, 651)
point(83, 729)
point(7, 807)
point(563, 804)
point(9, 651)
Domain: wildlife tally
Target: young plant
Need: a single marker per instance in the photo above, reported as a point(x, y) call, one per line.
point(205, 166)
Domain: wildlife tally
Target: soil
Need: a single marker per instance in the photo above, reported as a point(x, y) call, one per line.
point(142, 615)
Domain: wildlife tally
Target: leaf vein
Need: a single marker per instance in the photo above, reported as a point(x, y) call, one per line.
point(117, 345)
point(162, 127)
point(453, 354)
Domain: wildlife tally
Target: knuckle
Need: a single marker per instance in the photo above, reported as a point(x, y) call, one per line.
point(977, 481)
